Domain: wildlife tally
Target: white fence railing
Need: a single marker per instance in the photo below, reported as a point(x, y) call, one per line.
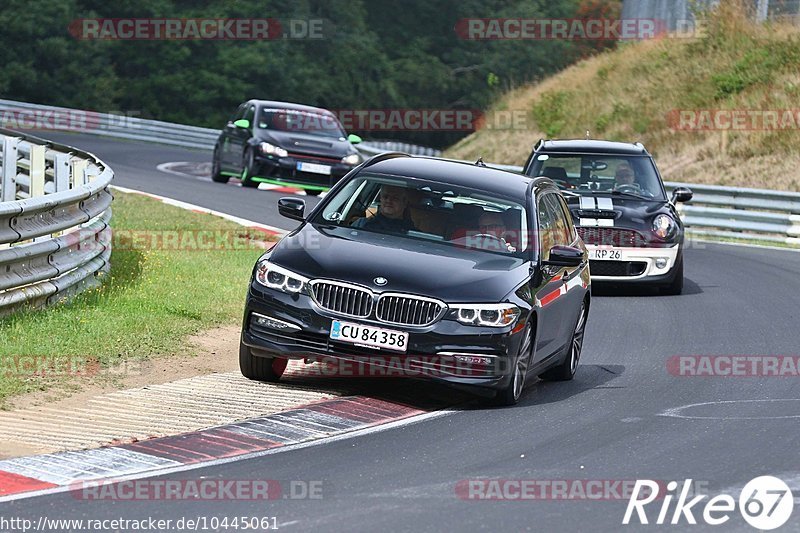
point(54, 213)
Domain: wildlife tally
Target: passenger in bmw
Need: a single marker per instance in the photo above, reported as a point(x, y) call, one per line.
point(392, 216)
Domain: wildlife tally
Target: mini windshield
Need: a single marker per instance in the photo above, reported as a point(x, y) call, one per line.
point(293, 121)
point(428, 211)
point(593, 173)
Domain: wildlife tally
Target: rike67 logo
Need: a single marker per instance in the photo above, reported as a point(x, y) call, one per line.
point(765, 503)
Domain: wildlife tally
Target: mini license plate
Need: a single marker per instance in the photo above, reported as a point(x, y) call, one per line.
point(604, 255)
point(369, 336)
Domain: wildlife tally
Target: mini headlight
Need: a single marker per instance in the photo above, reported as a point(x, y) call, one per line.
point(489, 315)
point(278, 278)
point(271, 149)
point(664, 226)
point(352, 159)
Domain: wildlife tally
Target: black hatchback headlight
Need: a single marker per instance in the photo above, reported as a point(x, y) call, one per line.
point(282, 279)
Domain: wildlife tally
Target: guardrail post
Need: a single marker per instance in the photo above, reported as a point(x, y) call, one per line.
point(36, 171)
point(61, 171)
point(78, 173)
point(8, 185)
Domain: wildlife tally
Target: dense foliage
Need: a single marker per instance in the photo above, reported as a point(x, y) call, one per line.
point(377, 54)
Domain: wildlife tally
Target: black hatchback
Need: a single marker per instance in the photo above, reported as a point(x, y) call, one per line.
point(425, 268)
point(284, 144)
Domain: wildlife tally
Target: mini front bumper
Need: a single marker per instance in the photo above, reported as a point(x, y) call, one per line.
point(446, 350)
point(620, 265)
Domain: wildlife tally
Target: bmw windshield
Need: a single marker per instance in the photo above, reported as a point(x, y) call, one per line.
point(428, 211)
point(631, 176)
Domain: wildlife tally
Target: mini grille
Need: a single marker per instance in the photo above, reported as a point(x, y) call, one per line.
point(617, 268)
point(342, 298)
point(612, 237)
point(408, 310)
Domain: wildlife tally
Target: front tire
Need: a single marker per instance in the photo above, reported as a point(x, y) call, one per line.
point(260, 368)
point(216, 171)
point(511, 394)
point(676, 286)
point(249, 170)
point(566, 370)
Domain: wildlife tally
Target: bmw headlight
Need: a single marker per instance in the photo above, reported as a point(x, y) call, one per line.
point(489, 315)
point(278, 278)
point(352, 159)
point(271, 149)
point(664, 226)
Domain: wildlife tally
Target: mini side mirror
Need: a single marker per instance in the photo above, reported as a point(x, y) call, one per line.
point(292, 208)
point(682, 194)
point(353, 139)
point(242, 123)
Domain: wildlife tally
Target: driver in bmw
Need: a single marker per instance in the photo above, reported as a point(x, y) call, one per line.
point(492, 224)
point(391, 215)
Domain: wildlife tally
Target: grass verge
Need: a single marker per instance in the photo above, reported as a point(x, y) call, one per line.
point(173, 273)
point(640, 91)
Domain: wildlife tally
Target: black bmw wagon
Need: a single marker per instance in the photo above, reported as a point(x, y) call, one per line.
point(445, 270)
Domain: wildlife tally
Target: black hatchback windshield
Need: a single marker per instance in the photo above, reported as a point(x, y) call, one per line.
point(295, 121)
point(430, 211)
point(592, 173)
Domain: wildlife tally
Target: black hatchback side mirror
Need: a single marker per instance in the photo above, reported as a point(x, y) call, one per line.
point(292, 208)
point(682, 194)
point(566, 256)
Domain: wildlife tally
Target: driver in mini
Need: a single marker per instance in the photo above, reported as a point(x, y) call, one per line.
point(624, 175)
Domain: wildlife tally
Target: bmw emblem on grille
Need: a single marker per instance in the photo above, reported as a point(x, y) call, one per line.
point(380, 282)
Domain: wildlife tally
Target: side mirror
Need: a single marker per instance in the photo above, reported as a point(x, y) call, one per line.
point(242, 123)
point(353, 139)
point(682, 194)
point(566, 256)
point(292, 208)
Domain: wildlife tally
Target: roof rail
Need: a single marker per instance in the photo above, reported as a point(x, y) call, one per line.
point(384, 156)
point(539, 144)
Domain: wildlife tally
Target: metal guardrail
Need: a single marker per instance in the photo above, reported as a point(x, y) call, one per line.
point(734, 212)
point(55, 208)
point(21, 115)
point(715, 211)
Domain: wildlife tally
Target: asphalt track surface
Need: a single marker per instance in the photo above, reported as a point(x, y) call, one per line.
point(607, 424)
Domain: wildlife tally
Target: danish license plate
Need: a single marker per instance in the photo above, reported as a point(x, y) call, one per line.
point(369, 336)
point(604, 255)
point(314, 168)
